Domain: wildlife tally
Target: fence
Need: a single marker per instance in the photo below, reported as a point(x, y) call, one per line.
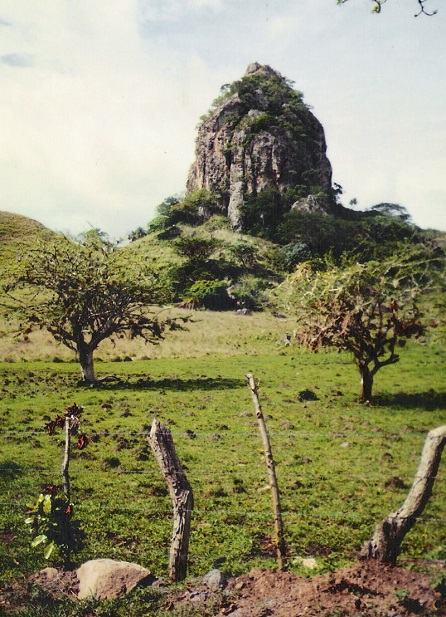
point(332, 496)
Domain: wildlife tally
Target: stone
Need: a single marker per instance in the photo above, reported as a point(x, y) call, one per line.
point(261, 136)
point(107, 578)
point(306, 562)
point(214, 580)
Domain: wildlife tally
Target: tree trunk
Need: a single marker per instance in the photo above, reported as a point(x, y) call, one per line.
point(86, 362)
point(366, 383)
point(389, 534)
point(277, 512)
point(161, 442)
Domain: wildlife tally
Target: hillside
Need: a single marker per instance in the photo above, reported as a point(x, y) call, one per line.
point(17, 232)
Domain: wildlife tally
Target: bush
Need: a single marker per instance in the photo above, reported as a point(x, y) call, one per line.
point(244, 253)
point(296, 253)
point(159, 223)
point(194, 209)
point(209, 294)
point(249, 292)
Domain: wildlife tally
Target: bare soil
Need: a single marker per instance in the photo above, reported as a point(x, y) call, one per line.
point(366, 589)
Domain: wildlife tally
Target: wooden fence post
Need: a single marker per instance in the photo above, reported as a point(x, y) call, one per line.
point(161, 442)
point(66, 459)
point(277, 513)
point(390, 532)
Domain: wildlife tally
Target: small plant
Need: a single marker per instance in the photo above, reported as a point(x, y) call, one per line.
point(402, 595)
point(51, 516)
point(51, 524)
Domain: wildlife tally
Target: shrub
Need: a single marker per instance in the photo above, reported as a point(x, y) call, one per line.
point(194, 209)
point(209, 294)
point(159, 223)
point(249, 292)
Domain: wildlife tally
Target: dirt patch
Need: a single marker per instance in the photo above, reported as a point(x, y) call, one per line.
point(366, 589)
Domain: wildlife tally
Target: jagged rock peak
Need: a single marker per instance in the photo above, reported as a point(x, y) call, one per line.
point(261, 69)
point(260, 142)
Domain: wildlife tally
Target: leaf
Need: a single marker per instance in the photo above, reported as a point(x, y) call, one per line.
point(29, 520)
point(47, 504)
point(39, 540)
point(49, 550)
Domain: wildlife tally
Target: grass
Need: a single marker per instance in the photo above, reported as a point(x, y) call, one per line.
point(334, 456)
point(341, 466)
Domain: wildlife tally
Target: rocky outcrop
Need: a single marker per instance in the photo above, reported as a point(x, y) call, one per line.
point(260, 135)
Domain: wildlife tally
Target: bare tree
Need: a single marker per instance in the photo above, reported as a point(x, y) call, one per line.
point(377, 6)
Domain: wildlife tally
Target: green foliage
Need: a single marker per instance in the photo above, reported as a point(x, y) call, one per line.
point(137, 234)
point(82, 294)
point(390, 209)
point(196, 248)
point(244, 253)
point(261, 213)
point(277, 90)
point(367, 309)
point(194, 209)
point(250, 292)
point(165, 207)
point(95, 239)
point(375, 235)
point(295, 253)
point(209, 294)
point(159, 223)
point(52, 527)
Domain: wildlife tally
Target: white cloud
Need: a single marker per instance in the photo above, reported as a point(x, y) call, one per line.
point(99, 101)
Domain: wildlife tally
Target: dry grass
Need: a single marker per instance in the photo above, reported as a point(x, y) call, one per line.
point(208, 333)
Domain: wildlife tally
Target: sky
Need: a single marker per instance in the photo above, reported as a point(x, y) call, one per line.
point(100, 101)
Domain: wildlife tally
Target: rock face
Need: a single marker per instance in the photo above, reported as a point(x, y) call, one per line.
point(261, 136)
point(107, 579)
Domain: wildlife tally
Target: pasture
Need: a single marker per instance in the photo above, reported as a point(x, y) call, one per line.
point(341, 466)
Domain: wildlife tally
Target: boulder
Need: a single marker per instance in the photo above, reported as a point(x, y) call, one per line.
point(214, 580)
point(107, 579)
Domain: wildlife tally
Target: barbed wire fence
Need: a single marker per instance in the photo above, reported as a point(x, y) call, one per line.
point(293, 511)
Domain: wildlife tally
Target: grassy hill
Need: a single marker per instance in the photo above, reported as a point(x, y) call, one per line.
point(16, 229)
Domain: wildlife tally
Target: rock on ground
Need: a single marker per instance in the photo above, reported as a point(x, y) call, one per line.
point(107, 579)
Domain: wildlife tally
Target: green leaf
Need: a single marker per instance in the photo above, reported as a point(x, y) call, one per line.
point(39, 540)
point(29, 520)
point(49, 550)
point(47, 504)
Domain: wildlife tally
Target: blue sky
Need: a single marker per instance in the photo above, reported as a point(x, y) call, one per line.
point(100, 100)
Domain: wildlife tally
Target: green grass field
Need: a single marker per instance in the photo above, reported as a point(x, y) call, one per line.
point(334, 457)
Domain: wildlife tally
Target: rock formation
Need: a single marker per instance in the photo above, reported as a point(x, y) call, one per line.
point(260, 136)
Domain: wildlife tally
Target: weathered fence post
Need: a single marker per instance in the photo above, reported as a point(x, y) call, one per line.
point(277, 513)
point(390, 532)
point(66, 458)
point(161, 442)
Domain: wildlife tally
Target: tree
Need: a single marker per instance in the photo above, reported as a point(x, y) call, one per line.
point(82, 292)
point(367, 309)
point(377, 6)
